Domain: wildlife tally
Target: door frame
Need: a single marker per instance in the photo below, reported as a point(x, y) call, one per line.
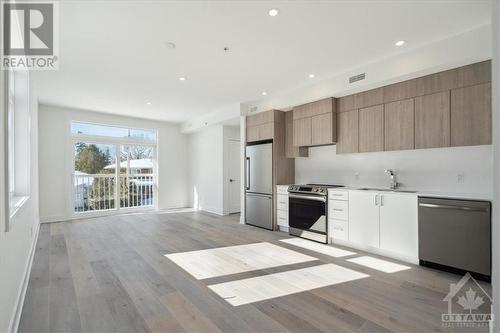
point(226, 176)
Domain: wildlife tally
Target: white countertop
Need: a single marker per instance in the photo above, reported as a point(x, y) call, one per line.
point(434, 194)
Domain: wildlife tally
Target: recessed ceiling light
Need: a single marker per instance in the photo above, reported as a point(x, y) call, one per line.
point(264, 93)
point(148, 103)
point(312, 76)
point(182, 78)
point(274, 12)
point(400, 43)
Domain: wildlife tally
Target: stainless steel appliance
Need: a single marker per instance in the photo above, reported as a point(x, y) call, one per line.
point(259, 185)
point(307, 211)
point(455, 235)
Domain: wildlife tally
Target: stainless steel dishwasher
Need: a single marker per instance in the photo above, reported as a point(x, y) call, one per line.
point(455, 235)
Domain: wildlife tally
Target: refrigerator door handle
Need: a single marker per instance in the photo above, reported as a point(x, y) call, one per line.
point(247, 178)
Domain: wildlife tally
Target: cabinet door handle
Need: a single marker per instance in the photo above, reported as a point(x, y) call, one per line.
point(376, 199)
point(382, 200)
point(338, 209)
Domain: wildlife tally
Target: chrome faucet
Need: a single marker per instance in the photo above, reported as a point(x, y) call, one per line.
point(394, 183)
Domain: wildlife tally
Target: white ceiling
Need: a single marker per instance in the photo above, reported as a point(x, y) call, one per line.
point(113, 56)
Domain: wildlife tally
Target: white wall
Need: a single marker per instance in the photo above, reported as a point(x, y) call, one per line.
point(206, 169)
point(56, 150)
point(432, 170)
point(17, 244)
point(208, 188)
point(496, 148)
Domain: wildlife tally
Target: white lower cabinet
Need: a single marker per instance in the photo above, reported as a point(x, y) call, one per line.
point(282, 207)
point(338, 215)
point(386, 222)
point(364, 215)
point(399, 224)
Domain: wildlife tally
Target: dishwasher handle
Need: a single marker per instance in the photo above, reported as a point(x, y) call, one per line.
point(466, 208)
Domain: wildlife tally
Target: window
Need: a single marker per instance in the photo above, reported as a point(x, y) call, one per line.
point(18, 137)
point(113, 167)
point(112, 131)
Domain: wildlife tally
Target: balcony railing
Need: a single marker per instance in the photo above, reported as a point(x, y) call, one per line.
point(97, 192)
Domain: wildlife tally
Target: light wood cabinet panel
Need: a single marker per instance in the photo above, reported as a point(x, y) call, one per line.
point(290, 150)
point(347, 132)
point(438, 82)
point(323, 106)
point(399, 129)
point(301, 111)
point(321, 128)
point(345, 103)
point(260, 118)
point(400, 91)
point(369, 98)
point(471, 115)
point(432, 120)
point(371, 129)
point(302, 132)
point(252, 133)
point(266, 131)
point(474, 74)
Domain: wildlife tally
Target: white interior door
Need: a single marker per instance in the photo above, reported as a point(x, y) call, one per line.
point(234, 161)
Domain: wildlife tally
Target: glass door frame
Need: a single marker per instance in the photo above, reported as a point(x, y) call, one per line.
point(117, 143)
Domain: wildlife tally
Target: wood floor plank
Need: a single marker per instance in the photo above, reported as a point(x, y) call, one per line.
point(64, 315)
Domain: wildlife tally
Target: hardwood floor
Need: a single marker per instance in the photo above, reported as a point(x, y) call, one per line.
point(111, 275)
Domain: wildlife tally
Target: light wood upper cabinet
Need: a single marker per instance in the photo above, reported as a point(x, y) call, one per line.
point(314, 123)
point(369, 98)
point(371, 129)
point(302, 132)
point(400, 91)
point(321, 128)
point(474, 74)
point(471, 115)
point(432, 120)
point(347, 132)
point(290, 150)
point(438, 82)
point(345, 103)
point(260, 126)
point(399, 125)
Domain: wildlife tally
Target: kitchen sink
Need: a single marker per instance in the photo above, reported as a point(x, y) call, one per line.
point(385, 190)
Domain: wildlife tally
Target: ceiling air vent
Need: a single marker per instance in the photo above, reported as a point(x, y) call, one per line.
point(356, 78)
point(253, 109)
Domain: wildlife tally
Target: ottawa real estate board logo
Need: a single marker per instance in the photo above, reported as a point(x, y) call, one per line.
point(469, 305)
point(30, 35)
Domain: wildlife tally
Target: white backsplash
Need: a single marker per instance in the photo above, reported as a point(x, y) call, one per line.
point(446, 170)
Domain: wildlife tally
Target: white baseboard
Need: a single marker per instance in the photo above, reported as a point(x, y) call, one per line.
point(18, 308)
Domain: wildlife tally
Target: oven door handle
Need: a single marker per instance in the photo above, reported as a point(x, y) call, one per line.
point(307, 197)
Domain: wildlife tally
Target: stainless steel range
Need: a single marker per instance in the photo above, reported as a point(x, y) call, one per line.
point(308, 211)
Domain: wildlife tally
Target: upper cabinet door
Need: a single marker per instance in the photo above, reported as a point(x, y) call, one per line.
point(302, 132)
point(400, 91)
point(347, 132)
point(432, 120)
point(399, 125)
point(371, 129)
point(369, 98)
point(321, 128)
point(290, 150)
point(471, 115)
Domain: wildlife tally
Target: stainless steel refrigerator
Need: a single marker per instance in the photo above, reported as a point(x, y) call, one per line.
point(259, 185)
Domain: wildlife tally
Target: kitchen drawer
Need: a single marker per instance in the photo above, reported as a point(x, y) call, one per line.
point(338, 195)
point(282, 203)
point(282, 218)
point(282, 189)
point(339, 229)
point(338, 209)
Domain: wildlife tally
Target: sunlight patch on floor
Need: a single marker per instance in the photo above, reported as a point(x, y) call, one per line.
point(379, 264)
point(321, 248)
point(222, 261)
point(270, 286)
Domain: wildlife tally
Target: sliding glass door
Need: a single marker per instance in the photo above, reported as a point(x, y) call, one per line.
point(112, 173)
